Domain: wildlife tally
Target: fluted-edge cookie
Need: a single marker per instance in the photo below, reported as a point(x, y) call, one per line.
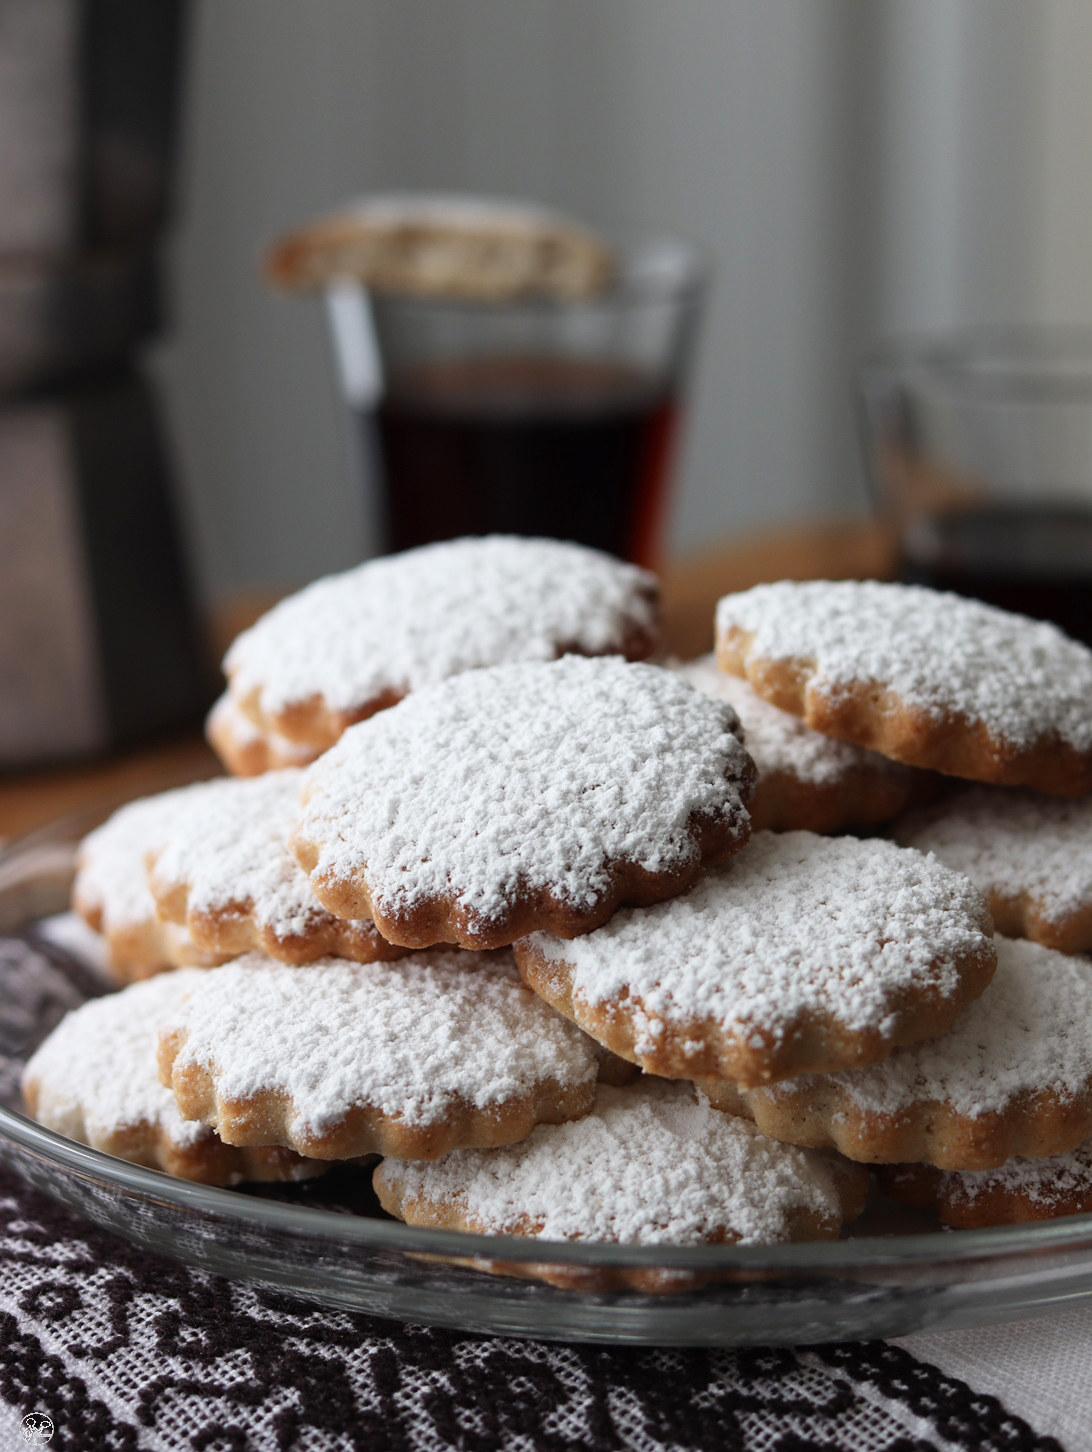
point(930, 679)
point(806, 781)
point(244, 748)
point(353, 644)
point(414, 1058)
point(652, 1165)
point(111, 893)
point(1030, 855)
point(1019, 1191)
point(1012, 1076)
point(524, 797)
point(803, 952)
point(222, 868)
point(94, 1080)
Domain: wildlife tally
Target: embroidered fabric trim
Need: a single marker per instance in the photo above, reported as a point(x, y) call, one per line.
point(126, 1351)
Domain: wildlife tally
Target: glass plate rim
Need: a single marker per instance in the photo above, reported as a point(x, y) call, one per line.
point(955, 1246)
point(947, 1247)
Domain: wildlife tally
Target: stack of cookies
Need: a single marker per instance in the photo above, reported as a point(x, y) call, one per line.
point(565, 936)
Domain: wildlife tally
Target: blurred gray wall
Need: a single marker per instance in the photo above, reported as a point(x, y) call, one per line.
point(856, 167)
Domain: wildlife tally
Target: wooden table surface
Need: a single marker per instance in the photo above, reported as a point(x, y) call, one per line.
point(692, 586)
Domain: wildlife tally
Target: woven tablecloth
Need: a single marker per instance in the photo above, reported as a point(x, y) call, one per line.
point(122, 1350)
point(108, 1348)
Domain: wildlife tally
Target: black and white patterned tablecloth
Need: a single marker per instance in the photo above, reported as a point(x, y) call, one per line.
point(122, 1350)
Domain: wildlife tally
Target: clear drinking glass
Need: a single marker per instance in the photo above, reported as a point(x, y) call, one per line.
point(979, 448)
point(533, 416)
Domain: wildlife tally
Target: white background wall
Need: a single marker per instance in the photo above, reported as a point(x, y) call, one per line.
point(855, 166)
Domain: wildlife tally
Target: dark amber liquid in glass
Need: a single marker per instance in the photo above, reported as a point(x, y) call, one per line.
point(1035, 559)
point(565, 448)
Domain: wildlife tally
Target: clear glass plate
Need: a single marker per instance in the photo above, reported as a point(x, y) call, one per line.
point(329, 1241)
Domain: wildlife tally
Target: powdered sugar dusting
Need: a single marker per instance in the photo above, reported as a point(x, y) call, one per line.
point(795, 925)
point(227, 720)
point(396, 624)
point(1022, 679)
point(459, 211)
point(778, 741)
point(110, 876)
point(1042, 1182)
point(1031, 1031)
point(1011, 842)
point(524, 779)
point(227, 843)
point(651, 1165)
point(406, 1038)
point(96, 1072)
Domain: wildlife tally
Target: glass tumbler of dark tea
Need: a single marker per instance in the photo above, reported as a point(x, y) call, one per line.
point(979, 448)
point(531, 417)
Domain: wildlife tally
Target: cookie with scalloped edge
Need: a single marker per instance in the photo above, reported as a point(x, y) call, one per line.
point(652, 1165)
point(414, 1058)
point(802, 953)
point(1029, 854)
point(1012, 1076)
point(94, 1080)
point(1019, 1191)
point(806, 781)
point(934, 680)
point(244, 748)
point(353, 644)
point(221, 867)
point(523, 797)
point(111, 894)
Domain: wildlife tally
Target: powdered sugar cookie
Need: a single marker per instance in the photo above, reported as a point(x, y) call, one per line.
point(445, 246)
point(222, 868)
point(1013, 1076)
point(522, 797)
point(412, 1058)
point(245, 749)
point(803, 952)
point(352, 644)
point(111, 892)
point(931, 679)
point(1030, 855)
point(1020, 1190)
point(94, 1080)
point(805, 780)
point(651, 1165)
